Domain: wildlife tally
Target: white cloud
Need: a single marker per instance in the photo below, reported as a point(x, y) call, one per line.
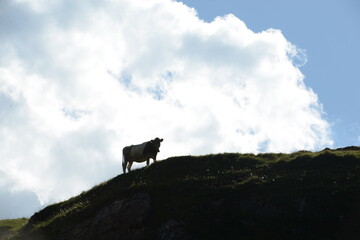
point(85, 79)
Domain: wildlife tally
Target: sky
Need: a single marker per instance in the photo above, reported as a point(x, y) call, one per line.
point(79, 80)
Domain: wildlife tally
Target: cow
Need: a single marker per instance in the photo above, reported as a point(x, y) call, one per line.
point(140, 153)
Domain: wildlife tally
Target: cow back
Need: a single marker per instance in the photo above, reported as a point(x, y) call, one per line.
point(138, 150)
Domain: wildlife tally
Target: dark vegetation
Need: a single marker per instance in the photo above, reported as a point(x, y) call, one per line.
point(303, 195)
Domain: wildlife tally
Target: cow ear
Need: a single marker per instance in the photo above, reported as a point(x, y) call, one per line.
point(161, 140)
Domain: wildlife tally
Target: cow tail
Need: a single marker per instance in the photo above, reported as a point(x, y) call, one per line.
point(123, 163)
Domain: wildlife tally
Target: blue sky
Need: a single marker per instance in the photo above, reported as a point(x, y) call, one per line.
point(329, 31)
point(79, 80)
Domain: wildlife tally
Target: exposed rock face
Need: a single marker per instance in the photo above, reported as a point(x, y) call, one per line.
point(123, 219)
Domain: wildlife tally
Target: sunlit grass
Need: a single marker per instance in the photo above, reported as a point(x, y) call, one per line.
point(9, 227)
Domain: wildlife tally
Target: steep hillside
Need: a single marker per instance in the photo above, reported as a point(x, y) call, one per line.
point(303, 195)
point(9, 227)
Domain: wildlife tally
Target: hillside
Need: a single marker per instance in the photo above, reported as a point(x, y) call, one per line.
point(303, 195)
point(10, 227)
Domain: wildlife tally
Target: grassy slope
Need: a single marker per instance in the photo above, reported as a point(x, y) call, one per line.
point(226, 195)
point(9, 227)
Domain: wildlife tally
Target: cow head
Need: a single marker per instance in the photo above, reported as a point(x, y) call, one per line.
point(156, 144)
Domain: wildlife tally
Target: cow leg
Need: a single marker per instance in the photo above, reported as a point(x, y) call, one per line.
point(126, 157)
point(147, 162)
point(129, 166)
point(124, 166)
